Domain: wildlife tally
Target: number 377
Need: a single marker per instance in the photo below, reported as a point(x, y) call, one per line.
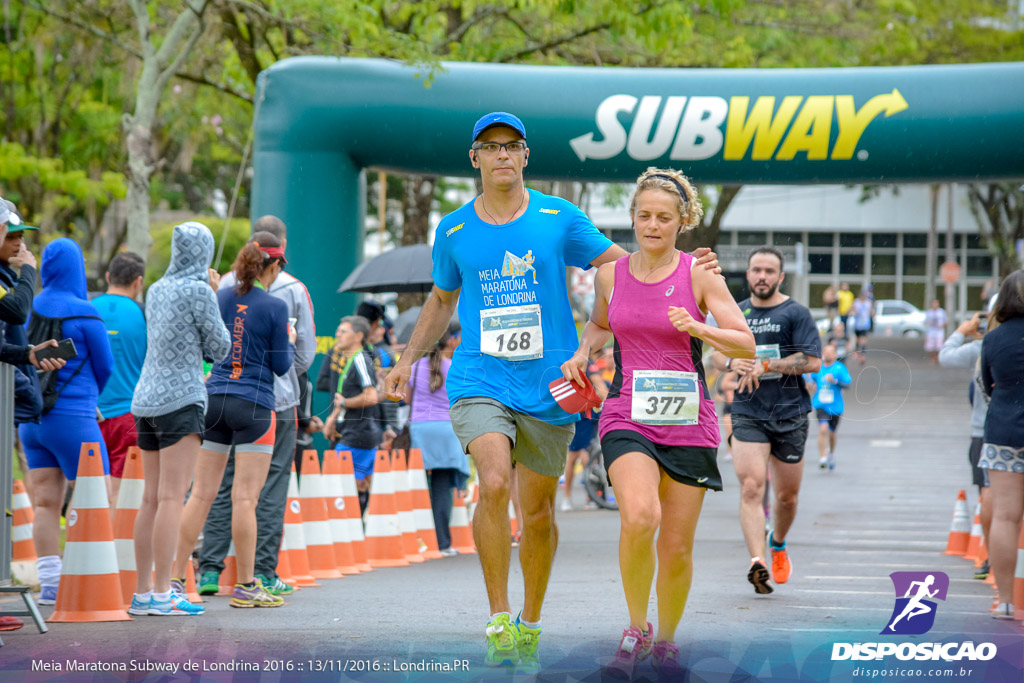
point(666, 403)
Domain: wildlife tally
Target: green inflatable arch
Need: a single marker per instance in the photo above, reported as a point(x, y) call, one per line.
point(321, 121)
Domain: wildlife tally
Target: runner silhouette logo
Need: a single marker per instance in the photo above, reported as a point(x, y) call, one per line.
point(914, 612)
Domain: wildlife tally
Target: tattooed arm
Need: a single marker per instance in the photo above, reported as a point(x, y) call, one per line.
point(794, 364)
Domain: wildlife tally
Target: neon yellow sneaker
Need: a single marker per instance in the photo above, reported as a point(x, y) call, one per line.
point(529, 659)
point(501, 641)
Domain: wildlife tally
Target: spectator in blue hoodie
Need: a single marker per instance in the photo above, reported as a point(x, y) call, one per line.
point(52, 446)
point(241, 411)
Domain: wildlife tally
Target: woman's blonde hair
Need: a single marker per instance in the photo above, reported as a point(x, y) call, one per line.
point(671, 181)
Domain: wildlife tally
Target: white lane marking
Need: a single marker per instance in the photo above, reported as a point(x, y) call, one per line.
point(887, 610)
point(885, 443)
point(876, 578)
point(888, 594)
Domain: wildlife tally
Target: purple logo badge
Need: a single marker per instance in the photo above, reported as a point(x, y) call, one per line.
point(914, 612)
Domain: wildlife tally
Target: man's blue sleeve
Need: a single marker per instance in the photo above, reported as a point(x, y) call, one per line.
point(445, 271)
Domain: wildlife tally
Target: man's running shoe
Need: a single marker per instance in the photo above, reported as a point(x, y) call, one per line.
point(254, 596)
point(634, 646)
point(566, 505)
point(209, 583)
point(781, 566)
point(758, 576)
point(823, 462)
point(177, 606)
point(527, 638)
point(178, 586)
point(831, 460)
point(448, 552)
point(277, 586)
point(502, 649)
point(665, 660)
point(981, 573)
point(139, 607)
point(47, 596)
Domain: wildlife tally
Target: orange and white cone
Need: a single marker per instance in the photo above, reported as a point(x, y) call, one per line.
point(24, 549)
point(974, 542)
point(960, 529)
point(513, 522)
point(422, 511)
point(473, 491)
point(315, 525)
point(403, 502)
point(293, 540)
point(129, 502)
point(334, 493)
point(462, 535)
point(383, 533)
point(90, 584)
point(1018, 579)
point(229, 577)
point(353, 516)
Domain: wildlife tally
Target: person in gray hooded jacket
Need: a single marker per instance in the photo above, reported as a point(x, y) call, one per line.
point(184, 326)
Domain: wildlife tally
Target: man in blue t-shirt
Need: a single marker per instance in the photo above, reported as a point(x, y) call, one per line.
point(126, 330)
point(827, 386)
point(502, 257)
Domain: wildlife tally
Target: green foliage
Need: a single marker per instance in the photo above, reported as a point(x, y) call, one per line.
point(160, 252)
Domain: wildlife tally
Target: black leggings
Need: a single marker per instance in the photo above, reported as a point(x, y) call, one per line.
point(442, 481)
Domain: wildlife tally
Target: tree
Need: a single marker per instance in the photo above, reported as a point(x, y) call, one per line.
point(159, 64)
point(999, 209)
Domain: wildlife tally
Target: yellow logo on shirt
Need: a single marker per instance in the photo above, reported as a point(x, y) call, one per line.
point(452, 231)
point(553, 212)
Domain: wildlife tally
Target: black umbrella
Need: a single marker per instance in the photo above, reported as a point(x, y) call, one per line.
point(406, 321)
point(405, 269)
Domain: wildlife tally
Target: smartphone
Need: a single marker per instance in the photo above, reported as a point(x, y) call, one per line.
point(65, 349)
point(982, 322)
point(291, 325)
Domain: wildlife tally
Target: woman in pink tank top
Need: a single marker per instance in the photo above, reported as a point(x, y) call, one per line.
point(659, 431)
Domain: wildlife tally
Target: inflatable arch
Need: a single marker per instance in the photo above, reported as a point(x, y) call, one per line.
point(321, 121)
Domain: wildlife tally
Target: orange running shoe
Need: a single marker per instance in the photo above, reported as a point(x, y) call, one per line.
point(781, 566)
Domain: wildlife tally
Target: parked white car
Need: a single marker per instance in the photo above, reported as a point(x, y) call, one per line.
point(893, 318)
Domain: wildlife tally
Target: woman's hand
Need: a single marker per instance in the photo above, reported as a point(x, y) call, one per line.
point(707, 258)
point(214, 279)
point(576, 367)
point(750, 373)
point(682, 320)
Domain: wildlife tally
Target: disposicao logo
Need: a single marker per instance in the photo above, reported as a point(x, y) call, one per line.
point(914, 614)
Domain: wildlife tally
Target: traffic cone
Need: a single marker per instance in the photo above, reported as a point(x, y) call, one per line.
point(315, 526)
point(422, 511)
point(473, 489)
point(90, 585)
point(23, 551)
point(191, 592)
point(352, 515)
point(383, 533)
point(513, 522)
point(462, 535)
point(974, 542)
point(403, 502)
point(129, 502)
point(334, 493)
point(293, 541)
point(284, 568)
point(960, 529)
point(228, 577)
point(1018, 579)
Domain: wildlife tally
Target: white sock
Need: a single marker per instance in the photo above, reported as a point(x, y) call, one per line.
point(508, 614)
point(144, 597)
point(162, 597)
point(49, 567)
point(529, 624)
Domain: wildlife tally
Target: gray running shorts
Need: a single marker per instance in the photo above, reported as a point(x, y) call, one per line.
point(537, 445)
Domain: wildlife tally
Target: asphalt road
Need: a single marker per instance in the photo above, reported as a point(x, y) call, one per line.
point(887, 507)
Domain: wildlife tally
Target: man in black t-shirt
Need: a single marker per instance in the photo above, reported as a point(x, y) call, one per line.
point(769, 411)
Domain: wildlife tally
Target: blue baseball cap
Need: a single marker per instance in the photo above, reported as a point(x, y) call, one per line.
point(498, 118)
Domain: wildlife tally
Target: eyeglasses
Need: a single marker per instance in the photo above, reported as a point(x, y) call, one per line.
point(514, 147)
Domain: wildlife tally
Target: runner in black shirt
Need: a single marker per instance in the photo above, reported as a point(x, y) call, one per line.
point(769, 411)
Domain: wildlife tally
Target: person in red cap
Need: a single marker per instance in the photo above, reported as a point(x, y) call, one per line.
point(503, 257)
point(240, 412)
point(659, 430)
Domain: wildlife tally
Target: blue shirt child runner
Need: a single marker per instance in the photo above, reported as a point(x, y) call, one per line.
point(830, 381)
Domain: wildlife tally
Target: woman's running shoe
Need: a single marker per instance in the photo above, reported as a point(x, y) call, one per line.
point(758, 576)
point(1003, 610)
point(665, 659)
point(254, 595)
point(178, 586)
point(634, 646)
point(139, 607)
